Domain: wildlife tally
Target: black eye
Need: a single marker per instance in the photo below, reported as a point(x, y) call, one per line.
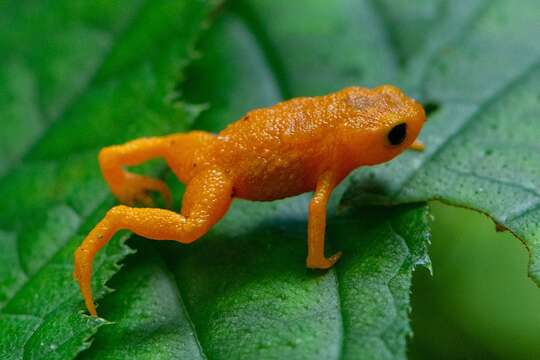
point(397, 134)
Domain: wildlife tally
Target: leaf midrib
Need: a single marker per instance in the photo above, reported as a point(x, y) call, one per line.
point(185, 311)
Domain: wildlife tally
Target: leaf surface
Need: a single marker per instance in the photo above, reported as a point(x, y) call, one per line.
point(246, 293)
point(145, 326)
point(106, 75)
point(482, 141)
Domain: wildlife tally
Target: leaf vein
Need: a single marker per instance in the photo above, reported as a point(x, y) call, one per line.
point(185, 311)
point(341, 314)
point(474, 174)
point(50, 259)
point(463, 127)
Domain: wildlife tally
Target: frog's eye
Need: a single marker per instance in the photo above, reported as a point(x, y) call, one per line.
point(397, 134)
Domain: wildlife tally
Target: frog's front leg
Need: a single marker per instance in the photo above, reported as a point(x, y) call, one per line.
point(131, 188)
point(206, 200)
point(417, 145)
point(317, 223)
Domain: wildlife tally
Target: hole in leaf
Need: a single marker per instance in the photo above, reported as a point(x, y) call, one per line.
point(431, 107)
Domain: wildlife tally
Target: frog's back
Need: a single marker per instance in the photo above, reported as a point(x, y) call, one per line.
point(290, 120)
point(276, 152)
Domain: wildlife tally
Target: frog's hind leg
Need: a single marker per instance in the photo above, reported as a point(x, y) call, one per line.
point(176, 149)
point(207, 198)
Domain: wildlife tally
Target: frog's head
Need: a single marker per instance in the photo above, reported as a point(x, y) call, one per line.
point(378, 123)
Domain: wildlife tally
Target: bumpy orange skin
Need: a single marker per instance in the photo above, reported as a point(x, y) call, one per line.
point(300, 145)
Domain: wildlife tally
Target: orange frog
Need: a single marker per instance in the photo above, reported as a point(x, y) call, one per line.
point(300, 145)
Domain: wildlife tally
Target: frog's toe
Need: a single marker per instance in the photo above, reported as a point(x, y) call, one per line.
point(323, 263)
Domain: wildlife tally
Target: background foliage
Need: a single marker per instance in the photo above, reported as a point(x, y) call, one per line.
point(80, 76)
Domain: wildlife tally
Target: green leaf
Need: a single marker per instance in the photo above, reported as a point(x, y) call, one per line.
point(248, 294)
point(482, 141)
point(244, 285)
point(105, 74)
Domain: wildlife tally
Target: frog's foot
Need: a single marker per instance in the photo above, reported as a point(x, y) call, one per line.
point(84, 256)
point(322, 262)
point(135, 189)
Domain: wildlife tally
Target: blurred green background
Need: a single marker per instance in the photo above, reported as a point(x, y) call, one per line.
point(479, 303)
